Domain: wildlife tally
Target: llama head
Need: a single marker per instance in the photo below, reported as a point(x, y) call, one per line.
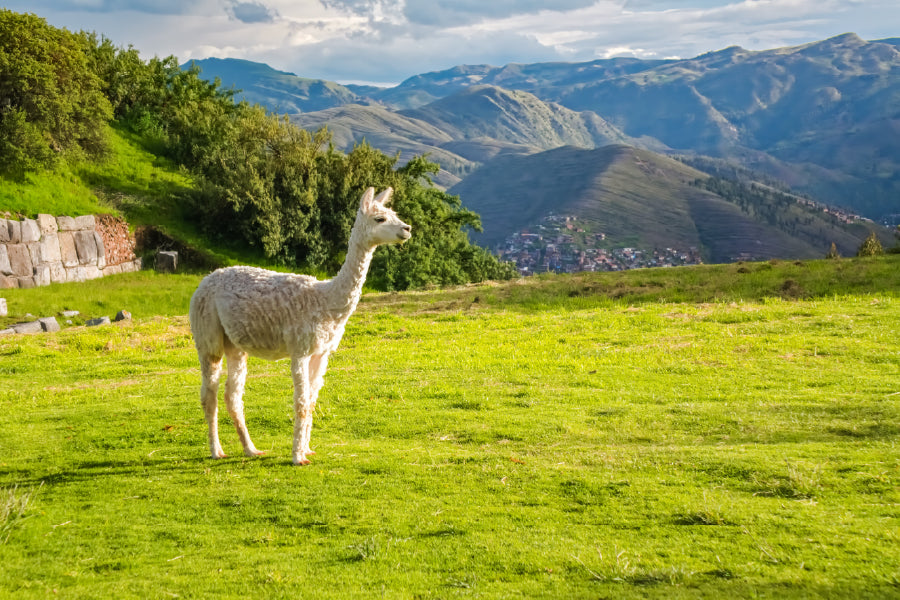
point(382, 225)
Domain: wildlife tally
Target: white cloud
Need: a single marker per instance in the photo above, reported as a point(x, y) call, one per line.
point(389, 40)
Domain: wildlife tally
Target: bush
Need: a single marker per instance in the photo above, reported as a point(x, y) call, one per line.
point(871, 246)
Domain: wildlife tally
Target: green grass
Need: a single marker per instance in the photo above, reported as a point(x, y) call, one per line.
point(56, 193)
point(471, 443)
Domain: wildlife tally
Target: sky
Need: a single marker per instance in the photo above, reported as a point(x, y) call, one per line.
point(383, 42)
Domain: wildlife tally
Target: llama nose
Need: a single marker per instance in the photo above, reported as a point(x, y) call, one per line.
point(407, 228)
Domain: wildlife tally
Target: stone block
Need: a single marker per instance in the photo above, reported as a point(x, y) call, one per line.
point(34, 251)
point(5, 267)
point(9, 331)
point(101, 250)
point(48, 224)
point(67, 251)
point(86, 247)
point(20, 260)
point(70, 313)
point(85, 223)
point(14, 231)
point(57, 272)
point(42, 275)
point(167, 261)
point(50, 248)
point(98, 321)
point(25, 282)
point(92, 272)
point(7, 283)
point(30, 327)
point(112, 270)
point(66, 223)
point(123, 315)
point(3, 309)
point(75, 274)
point(49, 324)
point(4, 231)
point(30, 231)
point(127, 267)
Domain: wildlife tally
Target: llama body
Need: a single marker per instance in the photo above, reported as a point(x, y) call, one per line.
point(238, 312)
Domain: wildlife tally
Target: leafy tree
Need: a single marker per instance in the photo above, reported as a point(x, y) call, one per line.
point(262, 181)
point(833, 252)
point(51, 102)
point(871, 246)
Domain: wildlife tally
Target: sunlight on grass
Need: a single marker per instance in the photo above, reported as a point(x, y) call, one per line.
point(592, 448)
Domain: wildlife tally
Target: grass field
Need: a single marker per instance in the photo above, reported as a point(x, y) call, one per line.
point(696, 433)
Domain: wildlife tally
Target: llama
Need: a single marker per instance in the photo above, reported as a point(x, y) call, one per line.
point(241, 311)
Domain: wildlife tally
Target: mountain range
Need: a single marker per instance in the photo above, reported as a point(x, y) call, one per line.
point(822, 119)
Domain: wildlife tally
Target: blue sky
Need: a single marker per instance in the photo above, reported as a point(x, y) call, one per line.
point(386, 41)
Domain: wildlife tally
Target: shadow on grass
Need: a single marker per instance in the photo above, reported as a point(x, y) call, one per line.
point(92, 470)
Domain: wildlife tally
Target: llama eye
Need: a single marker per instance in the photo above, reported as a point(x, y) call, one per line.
point(380, 219)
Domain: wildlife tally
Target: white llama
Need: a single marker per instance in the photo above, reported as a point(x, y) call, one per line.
point(241, 311)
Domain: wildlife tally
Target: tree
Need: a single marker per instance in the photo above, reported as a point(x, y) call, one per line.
point(871, 246)
point(51, 102)
point(833, 252)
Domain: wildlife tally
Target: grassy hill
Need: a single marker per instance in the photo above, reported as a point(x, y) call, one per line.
point(130, 181)
point(639, 198)
point(663, 433)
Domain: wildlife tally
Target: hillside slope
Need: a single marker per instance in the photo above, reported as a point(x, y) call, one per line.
point(486, 111)
point(641, 199)
point(280, 91)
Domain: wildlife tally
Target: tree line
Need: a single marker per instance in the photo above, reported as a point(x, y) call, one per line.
point(261, 180)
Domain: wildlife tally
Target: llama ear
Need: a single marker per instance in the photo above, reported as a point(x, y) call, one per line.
point(367, 198)
point(384, 197)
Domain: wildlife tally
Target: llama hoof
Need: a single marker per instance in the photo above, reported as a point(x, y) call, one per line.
point(218, 455)
point(302, 461)
point(254, 452)
point(308, 452)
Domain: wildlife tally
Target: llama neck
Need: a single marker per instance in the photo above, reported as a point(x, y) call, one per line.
point(346, 287)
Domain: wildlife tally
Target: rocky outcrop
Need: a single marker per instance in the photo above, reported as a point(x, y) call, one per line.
point(52, 249)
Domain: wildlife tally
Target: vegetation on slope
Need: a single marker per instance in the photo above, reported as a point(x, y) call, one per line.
point(642, 199)
point(250, 179)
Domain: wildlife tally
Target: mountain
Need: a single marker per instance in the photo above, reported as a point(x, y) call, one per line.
point(823, 117)
point(486, 111)
point(464, 130)
point(642, 199)
point(279, 91)
point(829, 110)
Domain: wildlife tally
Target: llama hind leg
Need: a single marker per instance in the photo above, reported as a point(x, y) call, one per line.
point(303, 409)
point(210, 370)
point(234, 397)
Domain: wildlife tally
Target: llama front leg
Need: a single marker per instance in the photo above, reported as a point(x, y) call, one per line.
point(210, 371)
point(317, 365)
point(234, 397)
point(303, 409)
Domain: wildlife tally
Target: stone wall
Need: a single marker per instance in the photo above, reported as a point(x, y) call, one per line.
point(59, 249)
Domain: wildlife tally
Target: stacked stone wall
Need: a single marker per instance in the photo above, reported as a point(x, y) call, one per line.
point(51, 249)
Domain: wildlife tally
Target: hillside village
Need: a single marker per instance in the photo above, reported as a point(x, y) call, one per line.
point(563, 244)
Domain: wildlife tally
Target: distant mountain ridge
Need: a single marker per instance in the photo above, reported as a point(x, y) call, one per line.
point(823, 117)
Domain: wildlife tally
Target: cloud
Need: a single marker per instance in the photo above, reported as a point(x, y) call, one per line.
point(156, 7)
point(251, 12)
point(390, 40)
point(448, 13)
